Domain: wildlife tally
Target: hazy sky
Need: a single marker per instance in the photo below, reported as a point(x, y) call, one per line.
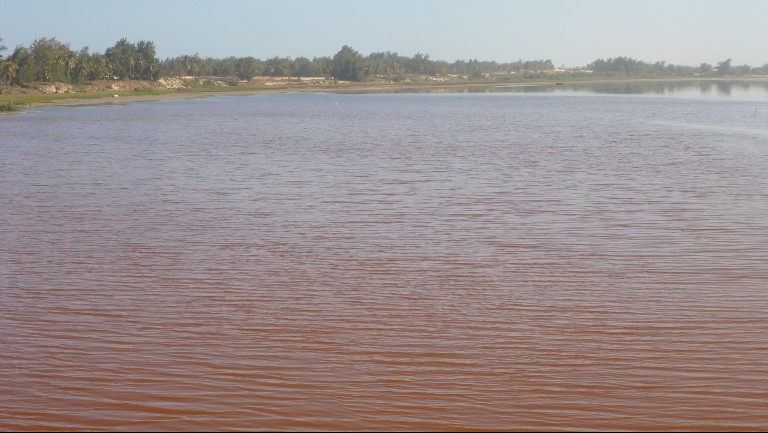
point(569, 32)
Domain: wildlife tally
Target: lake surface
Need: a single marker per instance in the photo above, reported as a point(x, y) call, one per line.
point(536, 260)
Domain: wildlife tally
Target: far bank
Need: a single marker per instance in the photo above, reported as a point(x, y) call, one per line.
point(122, 92)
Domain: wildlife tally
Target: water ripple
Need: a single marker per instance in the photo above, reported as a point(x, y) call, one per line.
point(385, 262)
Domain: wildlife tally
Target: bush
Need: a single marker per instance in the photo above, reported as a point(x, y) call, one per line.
point(8, 107)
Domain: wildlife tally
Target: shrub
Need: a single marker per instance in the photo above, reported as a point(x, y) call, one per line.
point(8, 107)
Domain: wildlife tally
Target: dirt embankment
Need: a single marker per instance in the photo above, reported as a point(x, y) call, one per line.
point(174, 83)
point(106, 85)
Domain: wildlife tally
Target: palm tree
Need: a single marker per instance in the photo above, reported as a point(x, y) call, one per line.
point(60, 61)
point(84, 68)
point(71, 61)
point(153, 67)
point(130, 67)
point(142, 65)
point(8, 69)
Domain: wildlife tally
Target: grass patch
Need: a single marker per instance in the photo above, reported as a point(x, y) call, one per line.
point(41, 98)
point(8, 107)
point(143, 91)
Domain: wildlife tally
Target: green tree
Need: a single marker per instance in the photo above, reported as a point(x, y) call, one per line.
point(302, 67)
point(742, 70)
point(349, 65)
point(223, 67)
point(192, 64)
point(705, 68)
point(419, 63)
point(50, 57)
point(246, 68)
point(122, 57)
point(724, 67)
point(146, 59)
point(625, 66)
point(69, 61)
point(324, 65)
point(26, 65)
point(277, 67)
point(84, 66)
point(102, 69)
point(8, 70)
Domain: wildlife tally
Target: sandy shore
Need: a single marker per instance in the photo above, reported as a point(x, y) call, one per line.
point(355, 88)
point(84, 102)
point(117, 100)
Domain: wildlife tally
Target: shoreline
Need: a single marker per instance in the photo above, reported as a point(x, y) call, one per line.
point(365, 88)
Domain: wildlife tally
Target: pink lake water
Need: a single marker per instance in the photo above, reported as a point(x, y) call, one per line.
point(495, 261)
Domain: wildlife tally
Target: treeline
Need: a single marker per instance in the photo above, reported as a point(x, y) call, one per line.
point(49, 60)
point(627, 66)
point(347, 64)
